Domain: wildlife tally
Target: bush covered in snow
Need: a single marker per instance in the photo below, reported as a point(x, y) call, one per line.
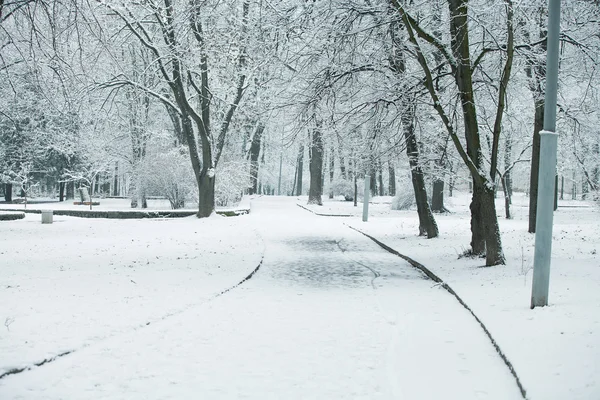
point(405, 196)
point(169, 174)
point(232, 179)
point(343, 187)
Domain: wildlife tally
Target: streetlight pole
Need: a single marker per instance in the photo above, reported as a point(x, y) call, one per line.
point(547, 168)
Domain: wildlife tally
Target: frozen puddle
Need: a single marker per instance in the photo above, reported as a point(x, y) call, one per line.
point(328, 316)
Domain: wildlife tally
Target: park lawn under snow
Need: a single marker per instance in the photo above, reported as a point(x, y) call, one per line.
point(328, 316)
point(80, 281)
point(556, 349)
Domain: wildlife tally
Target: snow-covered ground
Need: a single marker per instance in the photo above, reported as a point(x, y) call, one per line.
point(106, 204)
point(79, 281)
point(555, 350)
point(329, 315)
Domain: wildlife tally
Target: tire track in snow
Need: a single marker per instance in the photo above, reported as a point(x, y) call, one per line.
point(449, 289)
point(18, 370)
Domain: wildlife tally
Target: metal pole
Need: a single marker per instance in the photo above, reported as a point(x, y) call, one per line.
point(366, 198)
point(548, 147)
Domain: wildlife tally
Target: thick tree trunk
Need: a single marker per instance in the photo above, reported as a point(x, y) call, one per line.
point(70, 190)
point(61, 191)
point(299, 170)
point(8, 192)
point(437, 196)
point(538, 125)
point(391, 179)
point(493, 243)
point(316, 167)
point(477, 229)
point(373, 179)
point(254, 156)
point(206, 195)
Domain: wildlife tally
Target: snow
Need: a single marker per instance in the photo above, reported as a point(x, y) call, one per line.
point(79, 281)
point(329, 315)
point(555, 350)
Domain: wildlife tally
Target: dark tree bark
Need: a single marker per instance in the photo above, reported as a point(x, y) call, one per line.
point(70, 190)
point(300, 169)
point(331, 172)
point(437, 196)
point(342, 160)
point(506, 191)
point(8, 192)
point(61, 191)
point(254, 156)
point(316, 167)
point(116, 180)
point(538, 125)
point(355, 191)
point(391, 178)
point(562, 187)
point(380, 179)
point(373, 182)
point(427, 224)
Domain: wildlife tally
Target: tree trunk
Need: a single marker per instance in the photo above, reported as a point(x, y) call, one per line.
point(254, 156)
point(380, 179)
point(493, 243)
point(8, 192)
point(507, 177)
point(70, 190)
point(355, 191)
point(538, 125)
point(316, 167)
point(507, 200)
point(116, 180)
point(562, 187)
point(373, 182)
point(427, 224)
point(477, 229)
point(300, 169)
point(391, 179)
point(437, 196)
point(61, 191)
point(206, 195)
point(331, 172)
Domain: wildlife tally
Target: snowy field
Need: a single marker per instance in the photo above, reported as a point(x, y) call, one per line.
point(329, 315)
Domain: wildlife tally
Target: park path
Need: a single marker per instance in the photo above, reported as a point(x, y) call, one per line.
point(329, 315)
